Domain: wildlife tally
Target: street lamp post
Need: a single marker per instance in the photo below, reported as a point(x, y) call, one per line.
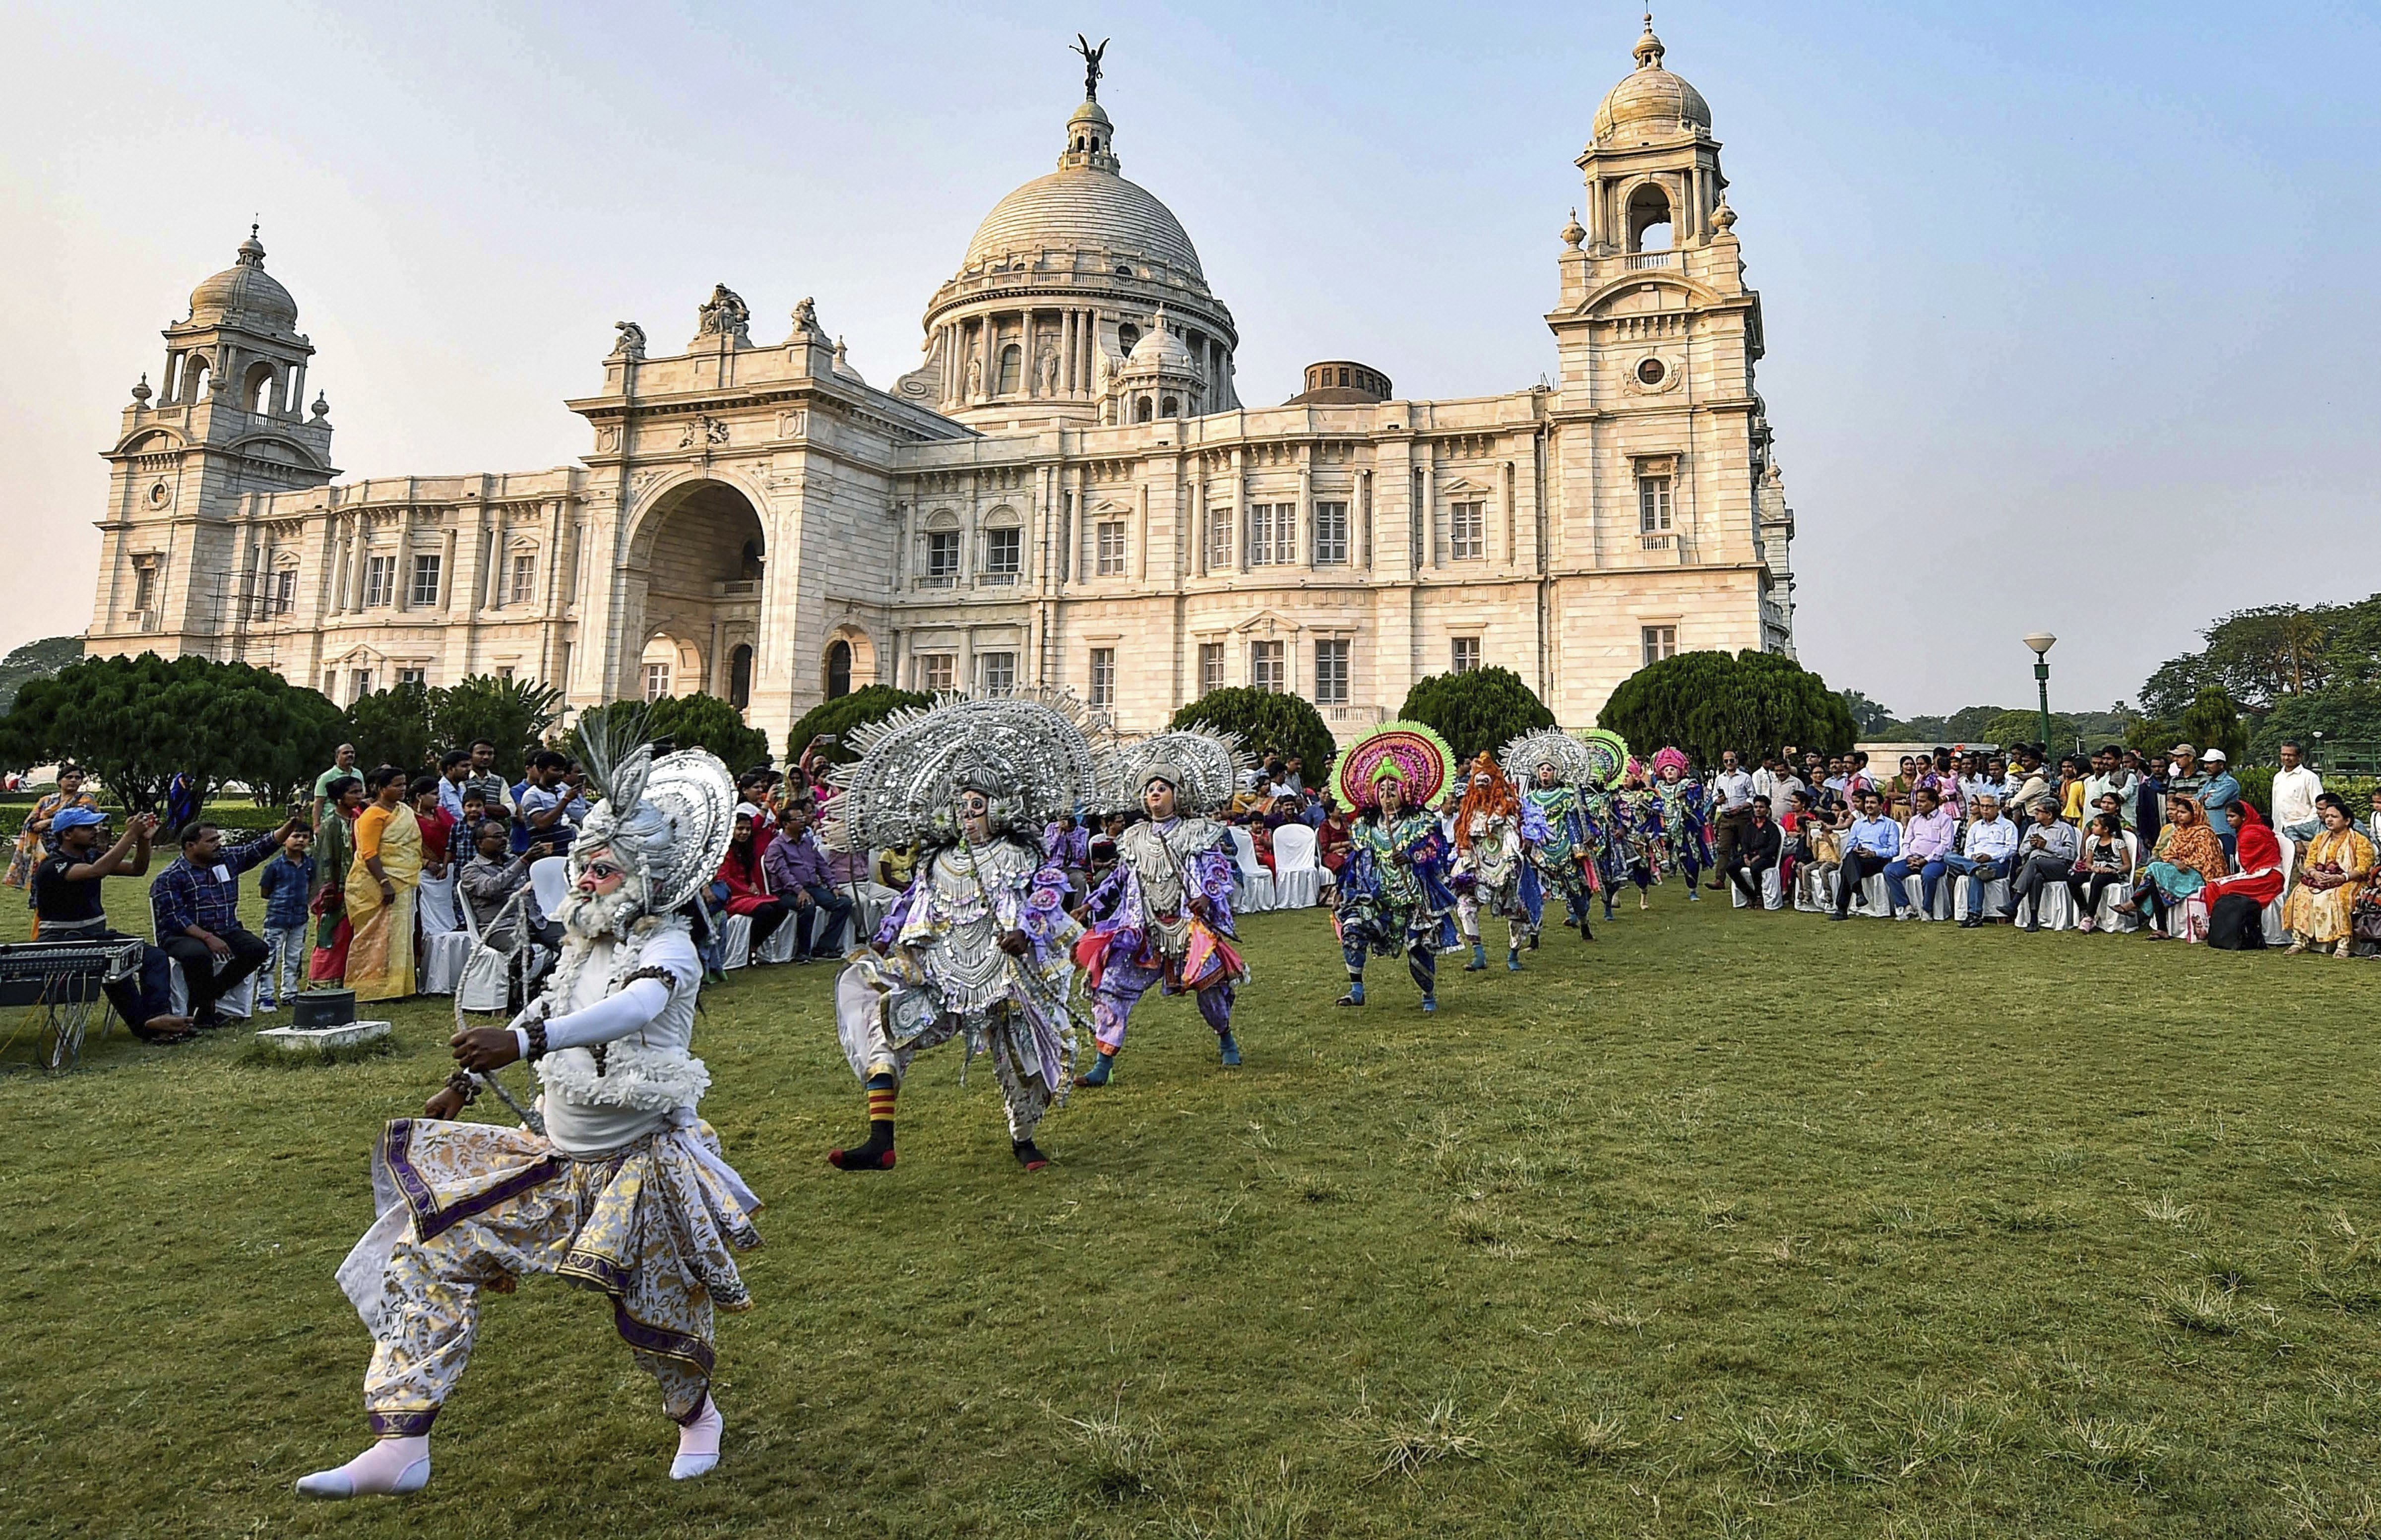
point(2041, 642)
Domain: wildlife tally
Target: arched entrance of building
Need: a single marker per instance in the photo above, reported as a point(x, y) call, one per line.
point(696, 564)
point(838, 669)
point(848, 663)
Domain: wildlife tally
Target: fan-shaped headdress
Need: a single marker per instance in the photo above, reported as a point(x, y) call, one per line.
point(1574, 763)
point(1203, 764)
point(1035, 754)
point(670, 819)
point(1610, 754)
point(1408, 753)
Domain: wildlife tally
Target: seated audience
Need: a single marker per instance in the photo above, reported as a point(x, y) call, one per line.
point(67, 899)
point(2334, 868)
point(1869, 846)
point(2107, 862)
point(742, 887)
point(489, 880)
point(796, 871)
point(2187, 858)
point(1757, 852)
point(196, 904)
point(1926, 843)
point(2045, 858)
point(1987, 856)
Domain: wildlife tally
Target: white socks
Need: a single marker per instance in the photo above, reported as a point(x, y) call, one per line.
point(698, 1443)
point(392, 1467)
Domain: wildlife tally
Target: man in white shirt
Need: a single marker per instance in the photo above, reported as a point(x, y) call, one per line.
point(1992, 843)
point(2295, 789)
point(1731, 800)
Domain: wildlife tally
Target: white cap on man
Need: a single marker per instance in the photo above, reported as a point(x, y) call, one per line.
point(2213, 756)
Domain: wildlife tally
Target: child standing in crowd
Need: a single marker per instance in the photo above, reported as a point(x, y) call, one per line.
point(284, 883)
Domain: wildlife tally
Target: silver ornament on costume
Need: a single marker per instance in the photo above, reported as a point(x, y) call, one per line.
point(1575, 763)
point(1036, 754)
point(1207, 761)
point(669, 819)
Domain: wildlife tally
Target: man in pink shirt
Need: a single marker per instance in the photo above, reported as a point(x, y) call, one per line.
point(1924, 844)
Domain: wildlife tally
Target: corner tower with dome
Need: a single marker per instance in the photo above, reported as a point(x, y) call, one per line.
point(1067, 490)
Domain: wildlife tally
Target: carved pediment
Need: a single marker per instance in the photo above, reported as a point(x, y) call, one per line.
point(1267, 622)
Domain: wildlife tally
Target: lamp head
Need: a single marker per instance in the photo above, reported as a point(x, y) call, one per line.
point(2041, 642)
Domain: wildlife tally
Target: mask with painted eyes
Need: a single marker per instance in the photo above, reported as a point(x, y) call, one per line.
point(605, 893)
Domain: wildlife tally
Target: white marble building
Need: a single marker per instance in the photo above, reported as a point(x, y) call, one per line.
point(1069, 489)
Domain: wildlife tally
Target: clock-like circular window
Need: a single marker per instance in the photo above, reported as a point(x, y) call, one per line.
point(158, 495)
point(1652, 372)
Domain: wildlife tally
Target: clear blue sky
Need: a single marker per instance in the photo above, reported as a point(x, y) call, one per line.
point(2069, 309)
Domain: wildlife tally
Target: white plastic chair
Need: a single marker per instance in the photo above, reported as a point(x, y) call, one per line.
point(235, 1004)
point(2051, 902)
point(1996, 897)
point(445, 946)
point(779, 947)
point(1255, 882)
point(1913, 895)
point(435, 901)
point(737, 942)
point(481, 984)
point(549, 882)
point(1296, 880)
point(1772, 896)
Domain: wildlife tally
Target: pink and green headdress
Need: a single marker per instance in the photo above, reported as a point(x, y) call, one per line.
point(1406, 752)
point(1668, 757)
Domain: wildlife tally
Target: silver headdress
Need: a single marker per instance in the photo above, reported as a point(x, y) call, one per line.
point(669, 819)
point(1574, 763)
point(1035, 753)
point(1205, 765)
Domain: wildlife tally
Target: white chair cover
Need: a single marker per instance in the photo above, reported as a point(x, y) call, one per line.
point(1296, 880)
point(436, 902)
point(1772, 896)
point(779, 947)
point(235, 1004)
point(480, 985)
point(1914, 894)
point(737, 936)
point(1996, 897)
point(549, 879)
point(2056, 907)
point(1255, 884)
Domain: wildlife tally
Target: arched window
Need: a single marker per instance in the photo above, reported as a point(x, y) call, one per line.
point(1013, 370)
point(1170, 408)
point(1649, 219)
point(739, 677)
point(256, 394)
point(1143, 409)
point(838, 669)
point(194, 379)
point(1128, 334)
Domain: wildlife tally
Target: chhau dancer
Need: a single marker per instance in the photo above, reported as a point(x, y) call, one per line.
point(622, 1191)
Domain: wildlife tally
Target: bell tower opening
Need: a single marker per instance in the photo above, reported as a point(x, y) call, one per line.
point(1649, 219)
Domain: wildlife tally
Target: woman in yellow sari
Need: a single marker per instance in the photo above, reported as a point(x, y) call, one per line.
point(2333, 867)
point(381, 890)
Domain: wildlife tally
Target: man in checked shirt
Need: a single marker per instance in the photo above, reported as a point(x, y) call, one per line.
point(196, 904)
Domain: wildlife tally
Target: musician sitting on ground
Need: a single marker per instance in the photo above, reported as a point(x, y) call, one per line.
point(491, 878)
point(66, 897)
point(196, 905)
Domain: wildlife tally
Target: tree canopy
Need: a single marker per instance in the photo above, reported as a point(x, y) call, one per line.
point(2262, 657)
point(1753, 703)
point(1872, 719)
point(836, 718)
point(1478, 712)
point(134, 722)
point(1267, 719)
point(513, 715)
point(688, 721)
point(392, 726)
point(36, 660)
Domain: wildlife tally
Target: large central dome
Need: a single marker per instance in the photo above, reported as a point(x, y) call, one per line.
point(1084, 204)
point(1084, 207)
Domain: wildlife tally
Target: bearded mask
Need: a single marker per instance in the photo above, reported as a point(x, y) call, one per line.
point(605, 895)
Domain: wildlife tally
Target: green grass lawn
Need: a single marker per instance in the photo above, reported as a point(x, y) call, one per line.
point(1727, 1224)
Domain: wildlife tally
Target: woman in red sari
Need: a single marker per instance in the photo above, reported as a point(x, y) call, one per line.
point(2260, 858)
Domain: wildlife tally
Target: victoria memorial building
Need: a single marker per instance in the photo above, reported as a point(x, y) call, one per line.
point(1070, 489)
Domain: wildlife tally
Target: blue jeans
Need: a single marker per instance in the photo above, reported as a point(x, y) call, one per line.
point(1930, 873)
point(288, 950)
point(817, 924)
point(1978, 872)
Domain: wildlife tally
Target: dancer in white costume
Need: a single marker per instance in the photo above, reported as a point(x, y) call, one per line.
point(622, 1189)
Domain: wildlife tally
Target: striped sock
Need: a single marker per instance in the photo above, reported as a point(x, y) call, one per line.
point(883, 1090)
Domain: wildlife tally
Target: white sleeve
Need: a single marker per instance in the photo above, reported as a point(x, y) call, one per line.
point(633, 1008)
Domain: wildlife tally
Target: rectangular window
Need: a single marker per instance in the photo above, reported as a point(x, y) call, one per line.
point(1002, 549)
point(1272, 537)
point(412, 676)
point(1467, 531)
point(145, 583)
point(1661, 642)
point(426, 580)
point(1211, 667)
point(358, 684)
point(285, 591)
point(941, 557)
point(330, 684)
point(1265, 666)
point(995, 672)
point(380, 581)
point(1331, 673)
point(1111, 549)
point(1330, 534)
point(1652, 505)
point(657, 681)
point(524, 590)
point(1219, 539)
point(1466, 659)
point(936, 671)
point(505, 673)
point(1104, 677)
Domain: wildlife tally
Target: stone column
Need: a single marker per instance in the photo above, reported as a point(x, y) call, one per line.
point(446, 570)
point(1306, 499)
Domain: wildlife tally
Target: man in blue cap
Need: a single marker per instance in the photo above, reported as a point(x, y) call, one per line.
point(65, 895)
